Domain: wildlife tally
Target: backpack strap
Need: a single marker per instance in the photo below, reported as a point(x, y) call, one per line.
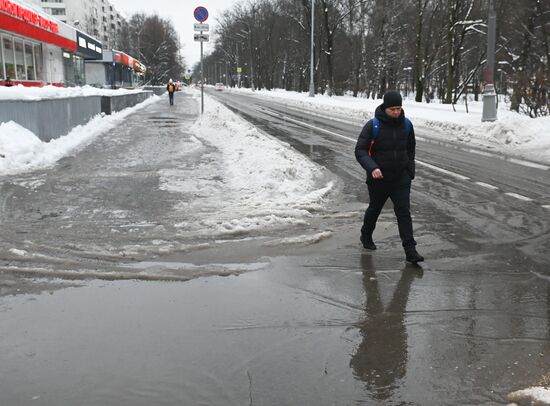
point(376, 130)
point(408, 125)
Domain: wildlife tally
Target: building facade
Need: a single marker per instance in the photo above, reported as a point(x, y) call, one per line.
point(33, 45)
point(37, 49)
point(96, 17)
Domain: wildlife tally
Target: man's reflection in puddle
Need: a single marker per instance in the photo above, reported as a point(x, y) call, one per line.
point(381, 358)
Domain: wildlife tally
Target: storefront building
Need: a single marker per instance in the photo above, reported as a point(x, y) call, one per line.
point(88, 48)
point(115, 70)
point(31, 45)
point(36, 49)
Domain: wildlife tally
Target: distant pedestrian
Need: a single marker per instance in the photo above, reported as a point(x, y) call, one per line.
point(387, 154)
point(171, 87)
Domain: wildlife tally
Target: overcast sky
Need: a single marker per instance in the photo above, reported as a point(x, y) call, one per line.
point(181, 14)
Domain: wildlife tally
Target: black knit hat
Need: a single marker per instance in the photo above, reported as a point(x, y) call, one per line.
point(392, 99)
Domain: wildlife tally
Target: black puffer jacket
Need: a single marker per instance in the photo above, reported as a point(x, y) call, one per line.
point(393, 150)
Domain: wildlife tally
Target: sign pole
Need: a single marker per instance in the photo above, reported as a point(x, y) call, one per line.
point(202, 85)
point(201, 15)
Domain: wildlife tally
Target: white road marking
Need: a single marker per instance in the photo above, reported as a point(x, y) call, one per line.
point(486, 185)
point(314, 127)
point(518, 196)
point(445, 171)
point(546, 206)
point(359, 122)
point(478, 152)
point(529, 164)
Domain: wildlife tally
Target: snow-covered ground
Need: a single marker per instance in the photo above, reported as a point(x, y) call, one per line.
point(512, 134)
point(21, 92)
point(244, 183)
point(250, 180)
point(21, 150)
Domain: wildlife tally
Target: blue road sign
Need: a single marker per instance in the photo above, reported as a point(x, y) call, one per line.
point(201, 14)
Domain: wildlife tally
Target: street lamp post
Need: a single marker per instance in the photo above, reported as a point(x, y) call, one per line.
point(489, 95)
point(311, 83)
point(249, 35)
point(226, 74)
point(238, 67)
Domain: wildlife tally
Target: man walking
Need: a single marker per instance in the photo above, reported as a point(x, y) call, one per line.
point(171, 87)
point(386, 150)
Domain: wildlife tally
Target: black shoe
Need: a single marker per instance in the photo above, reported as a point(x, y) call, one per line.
point(413, 256)
point(368, 243)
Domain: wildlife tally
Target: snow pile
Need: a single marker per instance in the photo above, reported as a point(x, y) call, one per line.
point(255, 182)
point(512, 134)
point(21, 92)
point(536, 395)
point(21, 150)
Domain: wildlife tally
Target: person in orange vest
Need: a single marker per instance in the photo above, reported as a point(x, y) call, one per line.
point(171, 87)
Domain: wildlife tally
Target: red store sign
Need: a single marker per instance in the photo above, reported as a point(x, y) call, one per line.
point(20, 20)
point(28, 16)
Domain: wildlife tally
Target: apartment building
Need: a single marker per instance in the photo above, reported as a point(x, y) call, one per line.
point(96, 17)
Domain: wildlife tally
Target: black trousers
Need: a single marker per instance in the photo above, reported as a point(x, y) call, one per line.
point(399, 191)
point(171, 96)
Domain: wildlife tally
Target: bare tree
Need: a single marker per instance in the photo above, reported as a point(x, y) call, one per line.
point(155, 42)
point(369, 46)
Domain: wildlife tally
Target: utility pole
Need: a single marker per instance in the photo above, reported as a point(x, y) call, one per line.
point(251, 61)
point(311, 83)
point(249, 35)
point(226, 74)
point(238, 67)
point(489, 95)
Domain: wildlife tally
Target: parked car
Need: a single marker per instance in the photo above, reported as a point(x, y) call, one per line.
point(219, 87)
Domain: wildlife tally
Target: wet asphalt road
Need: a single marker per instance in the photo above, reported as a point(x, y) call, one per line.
point(327, 324)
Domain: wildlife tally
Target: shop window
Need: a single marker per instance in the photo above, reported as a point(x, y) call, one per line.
point(38, 62)
point(9, 57)
point(68, 69)
point(19, 60)
point(29, 61)
point(79, 72)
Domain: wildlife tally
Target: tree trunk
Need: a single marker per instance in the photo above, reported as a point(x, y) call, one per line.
point(418, 73)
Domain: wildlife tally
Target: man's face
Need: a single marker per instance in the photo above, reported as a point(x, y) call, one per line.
point(393, 112)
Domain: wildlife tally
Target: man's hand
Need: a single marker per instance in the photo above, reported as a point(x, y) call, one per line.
point(377, 174)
